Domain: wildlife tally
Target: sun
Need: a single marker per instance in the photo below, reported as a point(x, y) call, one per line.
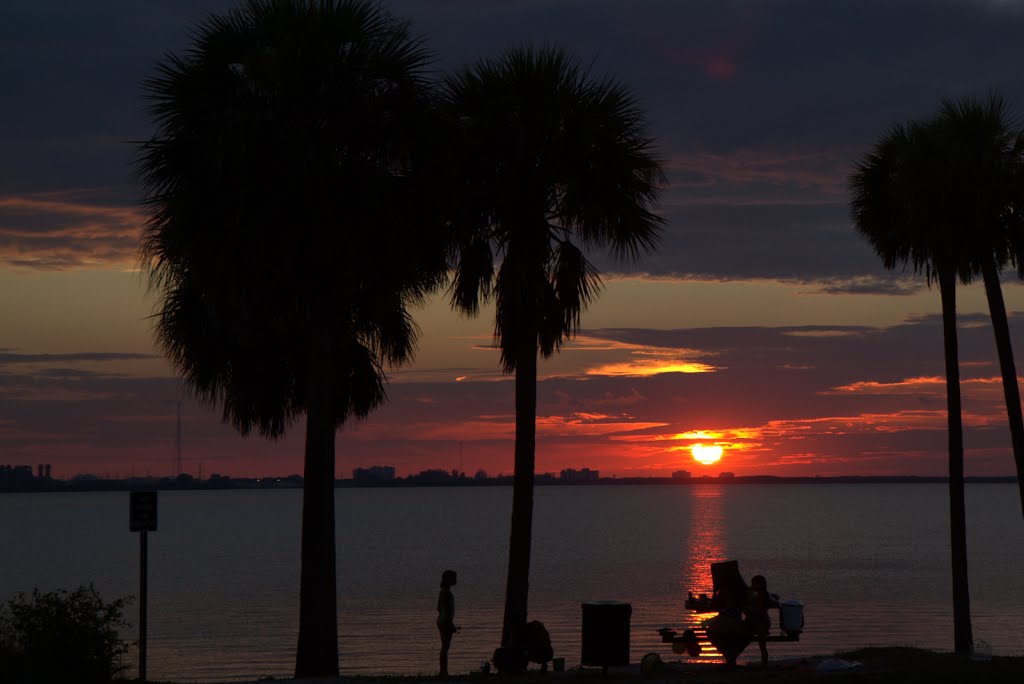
point(706, 454)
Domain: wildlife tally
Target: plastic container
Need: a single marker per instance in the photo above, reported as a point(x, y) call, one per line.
point(791, 616)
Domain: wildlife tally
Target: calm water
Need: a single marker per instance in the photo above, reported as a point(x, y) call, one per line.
point(870, 561)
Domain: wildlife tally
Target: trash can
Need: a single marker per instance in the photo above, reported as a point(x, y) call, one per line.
point(606, 633)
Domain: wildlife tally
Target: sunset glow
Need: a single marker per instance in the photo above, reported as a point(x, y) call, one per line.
point(638, 368)
point(706, 455)
point(759, 334)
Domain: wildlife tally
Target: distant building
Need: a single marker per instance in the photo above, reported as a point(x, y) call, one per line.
point(23, 478)
point(16, 477)
point(434, 476)
point(726, 475)
point(584, 475)
point(373, 474)
point(218, 481)
point(681, 475)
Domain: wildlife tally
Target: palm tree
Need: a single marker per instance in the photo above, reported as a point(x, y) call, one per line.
point(986, 159)
point(901, 193)
point(548, 161)
point(281, 182)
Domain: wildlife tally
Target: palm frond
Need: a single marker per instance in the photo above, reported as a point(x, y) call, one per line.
point(284, 184)
point(551, 160)
point(944, 193)
point(575, 282)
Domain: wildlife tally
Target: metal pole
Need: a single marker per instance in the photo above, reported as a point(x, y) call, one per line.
point(177, 460)
point(143, 563)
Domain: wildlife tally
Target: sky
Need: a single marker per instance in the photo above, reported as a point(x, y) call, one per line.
point(763, 323)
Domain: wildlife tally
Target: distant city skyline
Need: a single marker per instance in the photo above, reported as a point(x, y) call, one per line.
point(763, 325)
point(21, 479)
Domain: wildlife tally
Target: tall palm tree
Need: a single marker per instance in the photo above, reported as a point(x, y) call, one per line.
point(985, 156)
point(549, 161)
point(901, 193)
point(281, 182)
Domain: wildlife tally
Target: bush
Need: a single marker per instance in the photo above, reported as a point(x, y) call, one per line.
point(62, 636)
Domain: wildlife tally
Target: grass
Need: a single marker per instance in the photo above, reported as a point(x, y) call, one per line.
point(913, 666)
point(880, 666)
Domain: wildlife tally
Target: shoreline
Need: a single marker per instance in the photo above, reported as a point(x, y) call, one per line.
point(295, 482)
point(879, 665)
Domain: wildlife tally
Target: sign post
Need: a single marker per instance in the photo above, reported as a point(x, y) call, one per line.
point(142, 518)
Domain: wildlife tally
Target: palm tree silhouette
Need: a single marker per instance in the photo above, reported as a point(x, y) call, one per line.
point(986, 159)
point(549, 161)
point(902, 197)
point(281, 182)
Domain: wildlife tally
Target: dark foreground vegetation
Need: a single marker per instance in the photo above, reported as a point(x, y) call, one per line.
point(62, 636)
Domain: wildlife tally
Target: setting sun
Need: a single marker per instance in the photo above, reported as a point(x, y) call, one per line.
point(706, 454)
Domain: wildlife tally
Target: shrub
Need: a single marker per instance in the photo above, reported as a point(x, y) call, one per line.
point(62, 636)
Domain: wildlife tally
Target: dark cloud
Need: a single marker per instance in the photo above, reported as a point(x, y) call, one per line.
point(8, 356)
point(769, 241)
point(898, 286)
point(759, 109)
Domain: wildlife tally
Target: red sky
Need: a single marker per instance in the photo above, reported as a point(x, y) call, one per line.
point(800, 397)
point(763, 324)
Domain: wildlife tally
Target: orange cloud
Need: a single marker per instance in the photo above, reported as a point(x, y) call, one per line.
point(642, 361)
point(898, 421)
point(593, 342)
point(925, 385)
point(593, 425)
point(52, 231)
point(922, 385)
point(648, 367)
point(697, 435)
point(502, 426)
point(776, 437)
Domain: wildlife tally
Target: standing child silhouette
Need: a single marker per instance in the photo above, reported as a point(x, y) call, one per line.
point(756, 609)
point(446, 616)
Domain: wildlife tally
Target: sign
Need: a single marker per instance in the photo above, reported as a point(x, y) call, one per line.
point(142, 516)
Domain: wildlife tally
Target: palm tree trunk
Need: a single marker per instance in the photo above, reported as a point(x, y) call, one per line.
point(1011, 391)
point(518, 578)
point(317, 651)
point(962, 637)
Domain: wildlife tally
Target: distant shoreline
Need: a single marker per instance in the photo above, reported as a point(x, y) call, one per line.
point(295, 482)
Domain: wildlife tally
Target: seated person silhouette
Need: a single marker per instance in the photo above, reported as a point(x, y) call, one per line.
point(727, 631)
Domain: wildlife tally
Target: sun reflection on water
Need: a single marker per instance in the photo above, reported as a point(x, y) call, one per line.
point(705, 545)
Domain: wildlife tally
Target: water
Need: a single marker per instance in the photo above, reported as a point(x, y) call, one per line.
point(870, 561)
